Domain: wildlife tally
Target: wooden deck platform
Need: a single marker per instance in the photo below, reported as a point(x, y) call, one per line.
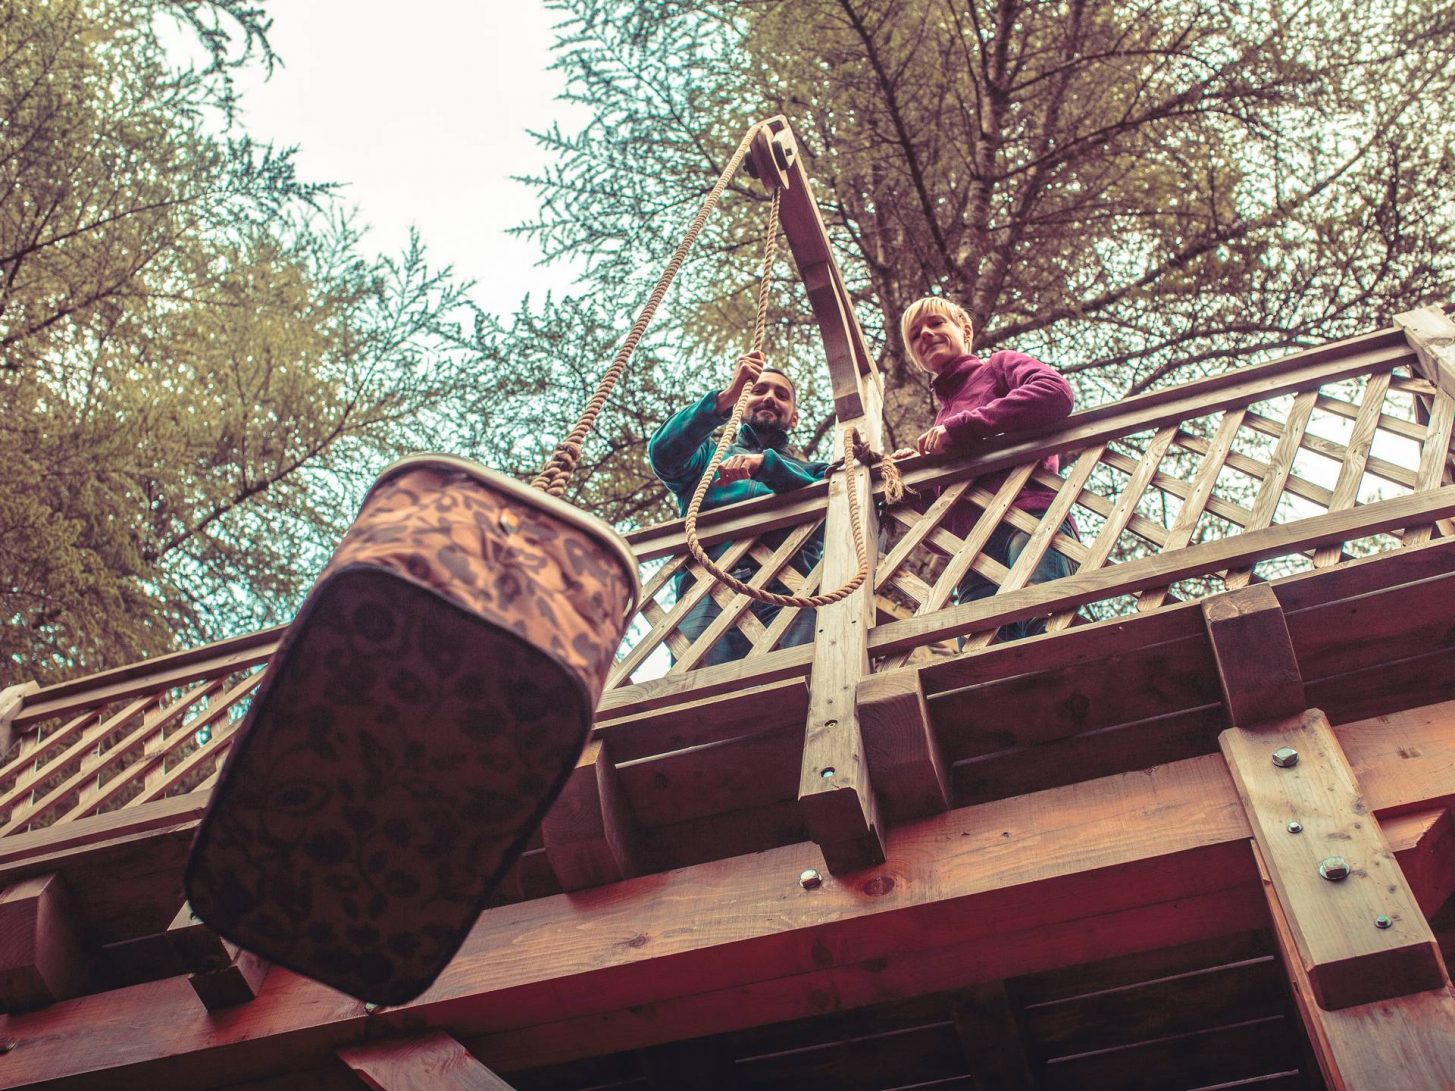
point(907, 855)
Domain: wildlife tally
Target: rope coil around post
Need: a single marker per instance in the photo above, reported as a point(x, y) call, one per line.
point(556, 473)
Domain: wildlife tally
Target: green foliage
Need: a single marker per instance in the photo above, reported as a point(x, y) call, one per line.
point(200, 374)
point(1140, 193)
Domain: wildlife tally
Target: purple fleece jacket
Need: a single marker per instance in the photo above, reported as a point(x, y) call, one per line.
point(1010, 392)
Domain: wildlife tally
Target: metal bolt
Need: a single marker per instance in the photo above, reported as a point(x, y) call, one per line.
point(1334, 868)
point(810, 879)
point(1295, 827)
point(7, 1044)
point(1382, 921)
point(827, 774)
point(370, 1008)
point(1285, 757)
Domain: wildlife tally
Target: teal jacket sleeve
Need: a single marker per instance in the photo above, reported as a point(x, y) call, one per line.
point(785, 474)
point(675, 450)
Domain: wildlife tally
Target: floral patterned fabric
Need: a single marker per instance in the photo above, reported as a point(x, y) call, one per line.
point(417, 722)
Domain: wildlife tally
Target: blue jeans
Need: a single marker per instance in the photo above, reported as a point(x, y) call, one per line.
point(1006, 545)
point(733, 645)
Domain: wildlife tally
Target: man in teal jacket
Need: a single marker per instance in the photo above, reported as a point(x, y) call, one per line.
point(758, 463)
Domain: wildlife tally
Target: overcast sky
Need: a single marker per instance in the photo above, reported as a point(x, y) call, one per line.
point(422, 110)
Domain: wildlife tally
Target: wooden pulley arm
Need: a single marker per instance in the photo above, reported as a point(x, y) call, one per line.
point(776, 160)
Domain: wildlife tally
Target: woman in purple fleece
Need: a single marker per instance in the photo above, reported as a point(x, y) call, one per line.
point(978, 399)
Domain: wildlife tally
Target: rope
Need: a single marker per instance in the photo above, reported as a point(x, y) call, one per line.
point(851, 443)
point(556, 473)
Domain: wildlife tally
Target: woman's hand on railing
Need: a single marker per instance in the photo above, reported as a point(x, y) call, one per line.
point(933, 442)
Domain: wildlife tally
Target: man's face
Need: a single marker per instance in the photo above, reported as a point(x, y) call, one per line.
point(770, 405)
point(937, 341)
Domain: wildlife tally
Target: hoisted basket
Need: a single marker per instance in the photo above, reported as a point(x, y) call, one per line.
point(417, 721)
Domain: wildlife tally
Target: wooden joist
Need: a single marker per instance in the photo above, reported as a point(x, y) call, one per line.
point(44, 954)
point(432, 1061)
point(591, 834)
point(1404, 1043)
point(1358, 931)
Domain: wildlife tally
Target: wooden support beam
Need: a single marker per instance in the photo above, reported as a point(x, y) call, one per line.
point(1431, 333)
point(909, 768)
point(222, 973)
point(836, 791)
point(432, 1061)
point(1357, 928)
point(1135, 862)
point(43, 953)
point(1256, 662)
point(1405, 1043)
point(989, 1028)
point(591, 833)
point(12, 698)
point(1424, 842)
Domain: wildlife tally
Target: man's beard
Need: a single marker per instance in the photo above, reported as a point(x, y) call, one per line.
point(767, 419)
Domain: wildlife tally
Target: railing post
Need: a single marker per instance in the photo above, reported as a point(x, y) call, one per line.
point(835, 792)
point(1431, 333)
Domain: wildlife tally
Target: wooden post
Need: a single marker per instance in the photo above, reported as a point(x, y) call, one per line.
point(592, 835)
point(1357, 931)
point(989, 1030)
point(909, 769)
point(432, 1061)
point(43, 957)
point(835, 790)
point(12, 699)
point(1431, 333)
point(1256, 662)
point(222, 974)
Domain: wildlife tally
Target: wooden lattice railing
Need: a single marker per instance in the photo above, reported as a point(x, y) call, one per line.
point(1342, 451)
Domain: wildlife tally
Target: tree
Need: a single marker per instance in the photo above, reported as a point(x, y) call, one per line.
point(1141, 193)
point(200, 372)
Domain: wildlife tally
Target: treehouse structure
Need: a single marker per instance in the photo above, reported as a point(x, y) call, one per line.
point(1197, 835)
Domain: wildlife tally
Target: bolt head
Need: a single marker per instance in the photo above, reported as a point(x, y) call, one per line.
point(1295, 827)
point(1285, 757)
point(1382, 921)
point(810, 879)
point(371, 1007)
point(827, 774)
point(1334, 868)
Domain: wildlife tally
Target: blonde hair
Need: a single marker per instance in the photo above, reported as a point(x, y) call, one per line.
point(932, 304)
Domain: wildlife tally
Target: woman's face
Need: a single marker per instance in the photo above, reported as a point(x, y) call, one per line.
point(937, 341)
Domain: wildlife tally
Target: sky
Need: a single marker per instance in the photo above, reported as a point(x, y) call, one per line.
point(422, 111)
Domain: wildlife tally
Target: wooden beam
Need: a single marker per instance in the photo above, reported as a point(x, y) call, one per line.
point(1424, 843)
point(1130, 863)
point(1431, 332)
point(909, 768)
point(591, 833)
point(12, 699)
point(836, 790)
point(1256, 662)
point(432, 1061)
point(1400, 1044)
point(43, 953)
point(1358, 930)
point(988, 1024)
point(222, 973)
